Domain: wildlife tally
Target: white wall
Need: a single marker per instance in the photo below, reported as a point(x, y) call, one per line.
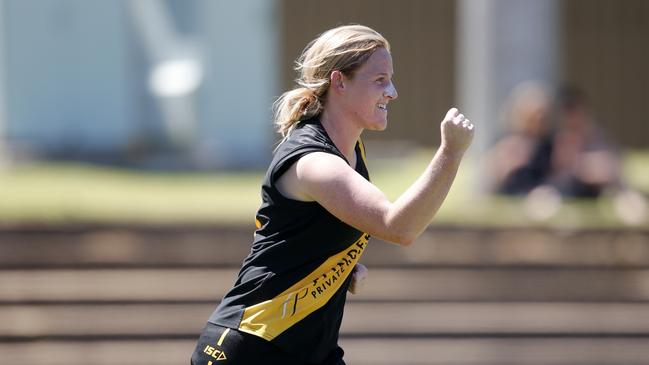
point(68, 80)
point(500, 44)
point(241, 51)
point(3, 84)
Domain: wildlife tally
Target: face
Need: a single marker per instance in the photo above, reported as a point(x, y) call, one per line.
point(369, 91)
point(530, 116)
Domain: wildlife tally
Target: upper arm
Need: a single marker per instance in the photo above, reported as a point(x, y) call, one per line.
point(330, 181)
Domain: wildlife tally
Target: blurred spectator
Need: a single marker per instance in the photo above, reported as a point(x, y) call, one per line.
point(545, 163)
point(584, 161)
point(521, 160)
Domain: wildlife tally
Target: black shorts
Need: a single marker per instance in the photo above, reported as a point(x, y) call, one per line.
point(218, 344)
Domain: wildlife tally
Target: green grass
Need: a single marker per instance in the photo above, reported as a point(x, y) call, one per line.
point(77, 193)
point(636, 170)
point(56, 193)
point(467, 204)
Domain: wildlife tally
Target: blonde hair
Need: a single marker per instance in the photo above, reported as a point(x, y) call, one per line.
point(343, 49)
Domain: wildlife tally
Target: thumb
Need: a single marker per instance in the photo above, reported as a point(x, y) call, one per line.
point(452, 113)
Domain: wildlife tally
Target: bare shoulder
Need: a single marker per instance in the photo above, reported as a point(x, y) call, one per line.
point(328, 180)
point(318, 167)
point(315, 169)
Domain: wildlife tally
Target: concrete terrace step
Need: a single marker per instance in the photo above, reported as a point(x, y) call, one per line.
point(140, 295)
point(358, 351)
point(362, 319)
point(383, 284)
point(223, 246)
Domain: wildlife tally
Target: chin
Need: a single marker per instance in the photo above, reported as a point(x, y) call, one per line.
point(381, 126)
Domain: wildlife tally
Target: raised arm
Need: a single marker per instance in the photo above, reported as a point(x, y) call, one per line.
point(330, 181)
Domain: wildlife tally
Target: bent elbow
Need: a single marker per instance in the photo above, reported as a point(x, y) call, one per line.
point(404, 239)
point(398, 233)
point(407, 241)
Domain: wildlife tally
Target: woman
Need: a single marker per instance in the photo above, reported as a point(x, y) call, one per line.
point(521, 160)
point(319, 208)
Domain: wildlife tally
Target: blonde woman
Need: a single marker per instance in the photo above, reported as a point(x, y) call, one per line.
point(319, 207)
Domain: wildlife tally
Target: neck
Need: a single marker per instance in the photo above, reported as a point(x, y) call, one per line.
point(342, 132)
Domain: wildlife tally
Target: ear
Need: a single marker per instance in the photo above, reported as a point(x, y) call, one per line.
point(337, 80)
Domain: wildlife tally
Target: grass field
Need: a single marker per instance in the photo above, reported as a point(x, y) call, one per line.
point(77, 193)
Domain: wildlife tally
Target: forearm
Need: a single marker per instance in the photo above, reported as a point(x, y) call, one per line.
point(330, 181)
point(413, 211)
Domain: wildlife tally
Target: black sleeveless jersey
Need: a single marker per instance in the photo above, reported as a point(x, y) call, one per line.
point(292, 287)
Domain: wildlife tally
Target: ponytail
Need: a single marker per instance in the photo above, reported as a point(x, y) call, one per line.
point(295, 105)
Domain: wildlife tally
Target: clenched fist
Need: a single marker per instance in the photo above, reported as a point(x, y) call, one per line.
point(457, 131)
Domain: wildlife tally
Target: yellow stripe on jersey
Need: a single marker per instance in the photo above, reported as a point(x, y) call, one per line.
point(362, 148)
point(225, 333)
point(270, 318)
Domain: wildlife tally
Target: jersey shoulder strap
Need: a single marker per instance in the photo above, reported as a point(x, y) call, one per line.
point(309, 136)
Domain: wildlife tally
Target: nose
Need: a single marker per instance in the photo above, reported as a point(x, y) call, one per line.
point(391, 91)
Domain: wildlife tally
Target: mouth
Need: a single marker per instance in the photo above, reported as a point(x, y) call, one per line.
point(383, 107)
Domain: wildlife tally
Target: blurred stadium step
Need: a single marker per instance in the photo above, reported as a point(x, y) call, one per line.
point(383, 284)
point(107, 246)
point(362, 319)
point(358, 351)
point(140, 295)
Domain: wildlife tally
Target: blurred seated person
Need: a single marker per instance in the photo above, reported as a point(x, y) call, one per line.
point(521, 160)
point(584, 162)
